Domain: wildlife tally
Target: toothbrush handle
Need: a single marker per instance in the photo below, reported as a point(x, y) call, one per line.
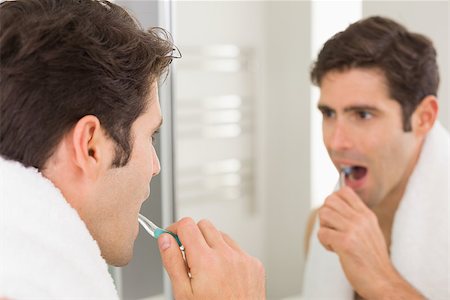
point(160, 231)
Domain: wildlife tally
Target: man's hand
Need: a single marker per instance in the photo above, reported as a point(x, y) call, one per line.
point(218, 267)
point(349, 228)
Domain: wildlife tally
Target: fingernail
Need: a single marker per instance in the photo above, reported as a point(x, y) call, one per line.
point(164, 242)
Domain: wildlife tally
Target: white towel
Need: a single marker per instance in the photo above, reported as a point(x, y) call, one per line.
point(46, 251)
point(420, 233)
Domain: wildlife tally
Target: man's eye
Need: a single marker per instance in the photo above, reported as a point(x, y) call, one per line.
point(364, 115)
point(154, 135)
point(327, 113)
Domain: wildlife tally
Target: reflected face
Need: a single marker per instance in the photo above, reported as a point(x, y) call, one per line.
point(121, 191)
point(362, 128)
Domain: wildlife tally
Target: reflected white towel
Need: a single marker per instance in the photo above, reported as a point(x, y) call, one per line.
point(46, 251)
point(420, 233)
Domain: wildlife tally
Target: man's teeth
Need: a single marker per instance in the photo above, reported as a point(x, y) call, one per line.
point(347, 171)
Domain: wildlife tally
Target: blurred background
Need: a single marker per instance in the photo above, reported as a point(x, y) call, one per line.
point(241, 143)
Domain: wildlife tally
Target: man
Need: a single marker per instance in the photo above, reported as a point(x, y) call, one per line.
point(79, 109)
point(384, 235)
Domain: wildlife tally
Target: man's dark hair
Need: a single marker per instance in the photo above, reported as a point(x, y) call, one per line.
point(61, 60)
point(408, 60)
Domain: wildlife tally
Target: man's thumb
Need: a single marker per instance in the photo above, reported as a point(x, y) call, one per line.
point(175, 266)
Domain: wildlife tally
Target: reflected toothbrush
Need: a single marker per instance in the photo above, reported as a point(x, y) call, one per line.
point(345, 172)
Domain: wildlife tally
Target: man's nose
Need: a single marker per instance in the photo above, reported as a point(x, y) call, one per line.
point(340, 137)
point(156, 164)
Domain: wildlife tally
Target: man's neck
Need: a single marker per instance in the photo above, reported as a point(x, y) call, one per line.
point(386, 210)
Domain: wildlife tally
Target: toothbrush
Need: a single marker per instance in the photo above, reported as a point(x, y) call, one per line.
point(345, 172)
point(155, 231)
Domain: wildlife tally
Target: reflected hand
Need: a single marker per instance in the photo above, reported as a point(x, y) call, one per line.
point(351, 230)
point(219, 268)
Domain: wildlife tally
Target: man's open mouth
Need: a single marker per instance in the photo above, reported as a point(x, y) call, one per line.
point(357, 173)
point(354, 178)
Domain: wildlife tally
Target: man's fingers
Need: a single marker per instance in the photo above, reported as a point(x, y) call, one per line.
point(211, 234)
point(175, 266)
point(231, 242)
point(190, 235)
point(352, 199)
point(329, 238)
point(341, 206)
point(331, 219)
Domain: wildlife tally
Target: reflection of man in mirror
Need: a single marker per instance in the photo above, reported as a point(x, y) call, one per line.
point(79, 110)
point(385, 234)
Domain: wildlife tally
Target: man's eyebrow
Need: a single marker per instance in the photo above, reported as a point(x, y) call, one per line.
point(352, 108)
point(360, 108)
point(323, 107)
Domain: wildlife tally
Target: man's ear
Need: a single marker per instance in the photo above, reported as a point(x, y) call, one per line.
point(425, 115)
point(92, 148)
